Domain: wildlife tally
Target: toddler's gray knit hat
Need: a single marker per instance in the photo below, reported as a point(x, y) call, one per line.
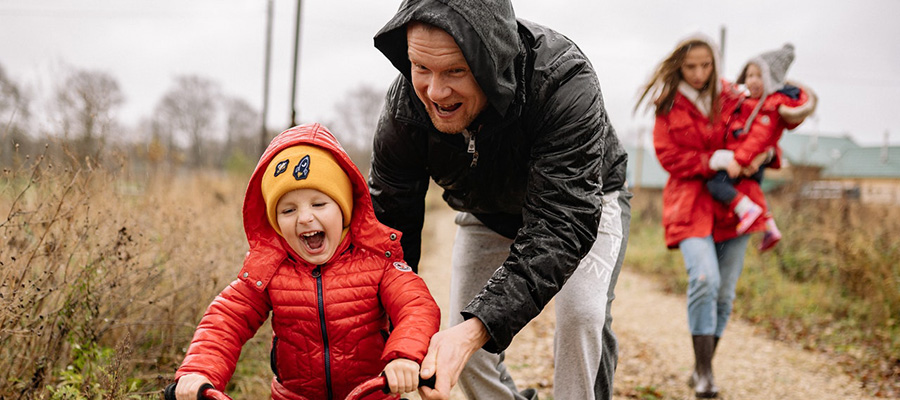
point(774, 65)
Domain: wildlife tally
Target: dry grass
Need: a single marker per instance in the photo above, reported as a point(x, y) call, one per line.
point(105, 274)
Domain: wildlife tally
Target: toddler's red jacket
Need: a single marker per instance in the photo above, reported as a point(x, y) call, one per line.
point(767, 126)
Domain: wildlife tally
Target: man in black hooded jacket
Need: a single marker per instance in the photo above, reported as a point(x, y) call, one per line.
point(507, 117)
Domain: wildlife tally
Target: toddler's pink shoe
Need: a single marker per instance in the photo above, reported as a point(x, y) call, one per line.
point(770, 239)
point(748, 217)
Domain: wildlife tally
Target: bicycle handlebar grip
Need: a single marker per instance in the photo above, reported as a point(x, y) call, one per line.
point(429, 383)
point(201, 394)
point(169, 393)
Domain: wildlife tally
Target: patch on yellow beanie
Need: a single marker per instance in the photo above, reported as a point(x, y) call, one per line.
point(310, 167)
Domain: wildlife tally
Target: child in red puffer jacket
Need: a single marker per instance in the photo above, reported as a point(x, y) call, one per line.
point(772, 105)
point(331, 275)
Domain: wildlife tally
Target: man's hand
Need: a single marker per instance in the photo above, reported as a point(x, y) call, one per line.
point(402, 375)
point(447, 355)
point(189, 385)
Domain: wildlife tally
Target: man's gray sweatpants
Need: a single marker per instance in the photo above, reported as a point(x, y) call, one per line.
point(585, 349)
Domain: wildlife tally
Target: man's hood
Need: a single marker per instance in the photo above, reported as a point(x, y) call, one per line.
point(485, 30)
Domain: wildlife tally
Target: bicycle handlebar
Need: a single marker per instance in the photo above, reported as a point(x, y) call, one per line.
point(208, 392)
point(380, 383)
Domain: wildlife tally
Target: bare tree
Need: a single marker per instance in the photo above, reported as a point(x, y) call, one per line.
point(241, 126)
point(189, 110)
point(357, 118)
point(13, 116)
point(13, 104)
point(155, 145)
point(87, 101)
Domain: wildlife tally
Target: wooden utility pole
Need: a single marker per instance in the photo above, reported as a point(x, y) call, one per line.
point(722, 48)
point(296, 57)
point(263, 134)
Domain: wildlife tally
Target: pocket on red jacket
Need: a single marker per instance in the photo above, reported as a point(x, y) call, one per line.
point(678, 202)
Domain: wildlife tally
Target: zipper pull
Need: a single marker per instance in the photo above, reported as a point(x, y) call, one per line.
point(471, 149)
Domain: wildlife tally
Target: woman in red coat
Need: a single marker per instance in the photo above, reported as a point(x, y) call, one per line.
point(330, 274)
point(692, 110)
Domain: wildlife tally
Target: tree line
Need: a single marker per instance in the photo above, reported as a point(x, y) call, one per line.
point(193, 125)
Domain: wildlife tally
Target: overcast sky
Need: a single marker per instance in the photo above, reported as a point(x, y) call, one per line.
point(847, 51)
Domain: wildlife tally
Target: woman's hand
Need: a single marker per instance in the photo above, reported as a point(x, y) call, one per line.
point(402, 375)
point(733, 169)
point(189, 385)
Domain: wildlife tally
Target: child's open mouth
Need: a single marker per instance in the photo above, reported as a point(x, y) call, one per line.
point(314, 240)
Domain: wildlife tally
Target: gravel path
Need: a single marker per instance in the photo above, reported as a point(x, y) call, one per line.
point(655, 351)
point(655, 355)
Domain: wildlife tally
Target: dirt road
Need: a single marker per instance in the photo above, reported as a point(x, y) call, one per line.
point(655, 347)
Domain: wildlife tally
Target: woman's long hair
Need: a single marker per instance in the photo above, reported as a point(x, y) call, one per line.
point(664, 83)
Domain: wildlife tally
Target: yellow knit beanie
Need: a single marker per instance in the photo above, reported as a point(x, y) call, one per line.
point(306, 167)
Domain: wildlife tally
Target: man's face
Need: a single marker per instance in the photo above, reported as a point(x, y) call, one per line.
point(442, 79)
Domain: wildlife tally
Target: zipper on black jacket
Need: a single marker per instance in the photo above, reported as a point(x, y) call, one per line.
point(320, 299)
point(470, 136)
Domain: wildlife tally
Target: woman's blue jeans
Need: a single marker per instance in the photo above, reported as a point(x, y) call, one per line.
point(713, 271)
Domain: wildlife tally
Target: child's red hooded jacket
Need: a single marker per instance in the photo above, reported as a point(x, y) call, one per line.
point(767, 127)
point(330, 321)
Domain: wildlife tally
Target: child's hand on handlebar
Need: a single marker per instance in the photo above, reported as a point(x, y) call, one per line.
point(189, 385)
point(402, 375)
